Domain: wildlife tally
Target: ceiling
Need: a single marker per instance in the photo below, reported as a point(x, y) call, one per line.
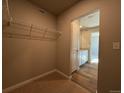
point(55, 7)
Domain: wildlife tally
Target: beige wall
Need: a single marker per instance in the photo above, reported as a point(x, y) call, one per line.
point(24, 59)
point(23, 11)
point(109, 65)
point(85, 37)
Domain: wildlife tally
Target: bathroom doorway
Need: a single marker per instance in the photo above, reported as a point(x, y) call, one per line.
point(85, 50)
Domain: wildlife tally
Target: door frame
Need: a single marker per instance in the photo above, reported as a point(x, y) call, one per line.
point(77, 64)
point(77, 18)
point(92, 11)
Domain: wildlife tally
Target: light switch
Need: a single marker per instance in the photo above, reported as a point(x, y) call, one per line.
point(116, 45)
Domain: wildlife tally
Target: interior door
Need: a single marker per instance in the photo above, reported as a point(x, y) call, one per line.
point(75, 37)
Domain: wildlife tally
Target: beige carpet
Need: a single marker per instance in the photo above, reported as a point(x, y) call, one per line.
point(87, 77)
point(53, 83)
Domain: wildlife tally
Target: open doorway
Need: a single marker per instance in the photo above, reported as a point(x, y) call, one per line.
point(85, 50)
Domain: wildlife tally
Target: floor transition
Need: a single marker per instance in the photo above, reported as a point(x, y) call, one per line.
point(86, 77)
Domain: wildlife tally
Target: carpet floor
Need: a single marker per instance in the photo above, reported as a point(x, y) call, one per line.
point(52, 83)
point(87, 77)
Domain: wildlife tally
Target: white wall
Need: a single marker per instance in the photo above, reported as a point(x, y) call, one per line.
point(24, 59)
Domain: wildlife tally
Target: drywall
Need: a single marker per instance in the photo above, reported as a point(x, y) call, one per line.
point(85, 37)
point(109, 66)
point(24, 59)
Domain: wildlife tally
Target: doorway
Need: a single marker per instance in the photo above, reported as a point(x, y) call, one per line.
point(85, 50)
point(89, 46)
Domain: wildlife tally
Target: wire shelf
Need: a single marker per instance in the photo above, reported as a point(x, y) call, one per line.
point(16, 29)
point(26, 31)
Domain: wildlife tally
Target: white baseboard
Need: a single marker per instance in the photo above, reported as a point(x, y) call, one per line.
point(66, 76)
point(6, 90)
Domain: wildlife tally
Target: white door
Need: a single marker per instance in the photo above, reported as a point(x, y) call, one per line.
point(75, 37)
